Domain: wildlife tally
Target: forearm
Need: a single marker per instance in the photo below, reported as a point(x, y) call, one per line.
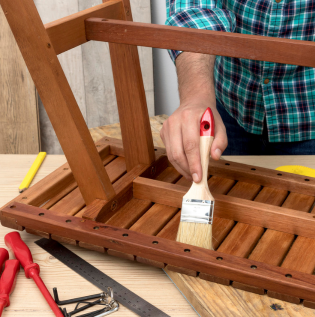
point(195, 77)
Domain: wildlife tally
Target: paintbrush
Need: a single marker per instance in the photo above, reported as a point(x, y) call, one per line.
point(195, 225)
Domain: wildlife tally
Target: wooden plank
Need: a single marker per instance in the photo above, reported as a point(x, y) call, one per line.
point(154, 219)
point(123, 189)
point(132, 107)
point(253, 213)
point(299, 257)
point(71, 63)
point(52, 185)
point(59, 101)
point(171, 252)
point(74, 201)
point(69, 32)
point(131, 102)
point(73, 185)
point(129, 213)
point(247, 46)
point(19, 128)
point(244, 237)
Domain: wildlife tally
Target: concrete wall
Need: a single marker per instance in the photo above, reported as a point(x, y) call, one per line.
point(165, 79)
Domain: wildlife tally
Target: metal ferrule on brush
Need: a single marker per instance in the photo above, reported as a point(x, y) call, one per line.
point(198, 211)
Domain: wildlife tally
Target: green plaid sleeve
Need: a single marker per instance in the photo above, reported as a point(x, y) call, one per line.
point(198, 14)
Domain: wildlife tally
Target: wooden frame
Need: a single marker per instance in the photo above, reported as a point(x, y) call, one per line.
point(123, 198)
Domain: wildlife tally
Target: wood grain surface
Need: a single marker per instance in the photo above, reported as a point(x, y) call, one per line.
point(203, 41)
point(19, 127)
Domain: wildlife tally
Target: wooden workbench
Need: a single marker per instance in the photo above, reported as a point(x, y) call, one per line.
point(148, 282)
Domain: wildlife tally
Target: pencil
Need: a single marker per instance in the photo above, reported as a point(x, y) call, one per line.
point(32, 172)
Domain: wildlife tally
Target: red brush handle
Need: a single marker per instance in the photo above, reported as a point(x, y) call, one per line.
point(8, 280)
point(207, 123)
point(23, 254)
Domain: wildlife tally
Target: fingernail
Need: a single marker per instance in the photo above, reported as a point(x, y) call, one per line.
point(218, 153)
point(195, 177)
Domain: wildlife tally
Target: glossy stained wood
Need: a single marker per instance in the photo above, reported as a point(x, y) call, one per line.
point(254, 213)
point(131, 102)
point(207, 42)
point(59, 101)
point(69, 32)
point(238, 269)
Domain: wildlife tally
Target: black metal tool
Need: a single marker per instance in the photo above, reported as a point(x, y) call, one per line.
point(74, 300)
point(99, 279)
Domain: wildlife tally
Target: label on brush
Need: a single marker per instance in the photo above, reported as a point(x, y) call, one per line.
point(198, 211)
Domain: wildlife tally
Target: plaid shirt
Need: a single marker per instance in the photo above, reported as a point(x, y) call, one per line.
point(252, 90)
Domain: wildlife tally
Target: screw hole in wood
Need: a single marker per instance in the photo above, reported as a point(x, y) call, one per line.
point(96, 228)
point(279, 174)
point(288, 275)
point(125, 235)
point(307, 180)
point(41, 214)
point(68, 220)
point(254, 267)
point(187, 250)
point(219, 258)
point(155, 242)
point(253, 169)
point(228, 164)
point(12, 206)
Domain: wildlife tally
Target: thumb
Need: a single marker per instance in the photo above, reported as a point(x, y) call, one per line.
point(220, 142)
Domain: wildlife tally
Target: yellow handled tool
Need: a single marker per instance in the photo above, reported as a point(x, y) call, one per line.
point(32, 172)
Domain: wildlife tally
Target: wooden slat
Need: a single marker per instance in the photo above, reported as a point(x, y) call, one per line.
point(235, 268)
point(73, 185)
point(19, 128)
point(132, 107)
point(203, 41)
point(129, 213)
point(74, 201)
point(243, 237)
point(300, 256)
point(253, 213)
point(69, 32)
point(131, 101)
point(54, 184)
point(263, 176)
point(59, 101)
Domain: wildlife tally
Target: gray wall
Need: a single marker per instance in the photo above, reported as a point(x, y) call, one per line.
point(165, 79)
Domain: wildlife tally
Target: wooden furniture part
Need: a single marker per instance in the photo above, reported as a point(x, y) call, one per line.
point(123, 198)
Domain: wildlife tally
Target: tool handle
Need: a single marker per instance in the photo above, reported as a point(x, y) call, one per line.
point(4, 256)
point(21, 252)
point(206, 140)
point(201, 190)
point(43, 289)
point(8, 280)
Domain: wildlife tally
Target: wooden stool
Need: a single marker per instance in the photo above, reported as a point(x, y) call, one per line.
point(263, 230)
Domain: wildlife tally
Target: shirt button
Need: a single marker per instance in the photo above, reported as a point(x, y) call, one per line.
point(266, 81)
point(278, 1)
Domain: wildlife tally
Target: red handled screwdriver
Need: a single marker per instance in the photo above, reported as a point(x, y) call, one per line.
point(7, 282)
point(23, 254)
point(4, 256)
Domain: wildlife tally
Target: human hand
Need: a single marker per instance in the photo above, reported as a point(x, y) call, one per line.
point(181, 137)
